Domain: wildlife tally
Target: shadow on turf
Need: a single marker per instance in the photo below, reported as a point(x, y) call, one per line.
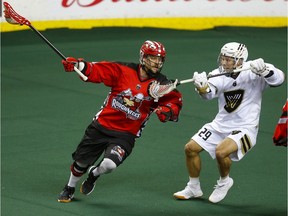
point(231, 209)
point(238, 209)
point(199, 199)
point(252, 210)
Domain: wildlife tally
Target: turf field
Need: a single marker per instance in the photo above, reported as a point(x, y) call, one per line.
point(44, 112)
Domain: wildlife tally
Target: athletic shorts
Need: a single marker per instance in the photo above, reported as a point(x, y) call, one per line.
point(98, 140)
point(208, 138)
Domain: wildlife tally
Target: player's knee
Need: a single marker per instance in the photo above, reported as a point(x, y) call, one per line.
point(107, 165)
point(218, 154)
point(188, 149)
point(78, 169)
point(225, 148)
point(192, 148)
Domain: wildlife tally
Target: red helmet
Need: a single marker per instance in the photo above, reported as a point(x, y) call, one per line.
point(152, 48)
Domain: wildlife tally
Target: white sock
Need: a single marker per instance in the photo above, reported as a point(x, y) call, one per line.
point(194, 180)
point(224, 179)
point(73, 180)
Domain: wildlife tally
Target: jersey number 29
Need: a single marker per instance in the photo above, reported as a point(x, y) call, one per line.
point(205, 134)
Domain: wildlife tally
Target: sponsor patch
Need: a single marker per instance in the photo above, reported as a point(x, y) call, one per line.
point(117, 150)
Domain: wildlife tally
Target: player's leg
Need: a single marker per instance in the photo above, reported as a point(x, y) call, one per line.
point(206, 139)
point(223, 151)
point(105, 166)
point(193, 160)
point(193, 164)
point(77, 170)
point(234, 147)
point(87, 152)
point(115, 154)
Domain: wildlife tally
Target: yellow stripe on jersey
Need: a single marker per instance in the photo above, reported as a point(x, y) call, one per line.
point(245, 144)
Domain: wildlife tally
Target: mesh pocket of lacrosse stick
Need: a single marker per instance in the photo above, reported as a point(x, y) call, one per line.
point(156, 90)
point(12, 17)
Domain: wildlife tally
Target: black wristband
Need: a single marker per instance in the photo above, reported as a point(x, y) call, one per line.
point(271, 72)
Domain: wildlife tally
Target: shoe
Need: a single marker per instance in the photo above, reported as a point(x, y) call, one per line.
point(220, 191)
point(190, 191)
point(88, 185)
point(67, 194)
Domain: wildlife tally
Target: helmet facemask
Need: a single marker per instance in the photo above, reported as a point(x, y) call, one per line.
point(229, 64)
point(152, 65)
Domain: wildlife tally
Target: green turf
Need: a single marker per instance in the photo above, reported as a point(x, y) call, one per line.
point(44, 112)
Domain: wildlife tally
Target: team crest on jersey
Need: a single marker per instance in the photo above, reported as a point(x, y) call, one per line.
point(128, 103)
point(233, 100)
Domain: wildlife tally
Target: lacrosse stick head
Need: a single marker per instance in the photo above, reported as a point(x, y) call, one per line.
point(12, 17)
point(156, 90)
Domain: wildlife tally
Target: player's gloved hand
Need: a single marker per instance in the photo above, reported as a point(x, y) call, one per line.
point(201, 82)
point(164, 113)
point(70, 62)
point(259, 67)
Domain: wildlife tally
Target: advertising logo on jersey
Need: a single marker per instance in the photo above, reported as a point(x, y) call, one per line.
point(129, 103)
point(233, 100)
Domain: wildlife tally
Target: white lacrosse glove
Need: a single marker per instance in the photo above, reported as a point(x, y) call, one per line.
point(156, 90)
point(259, 67)
point(201, 82)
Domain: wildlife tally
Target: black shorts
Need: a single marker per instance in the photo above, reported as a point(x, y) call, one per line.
point(97, 140)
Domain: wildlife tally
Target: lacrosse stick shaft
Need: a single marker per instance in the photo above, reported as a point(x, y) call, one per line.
point(57, 51)
point(215, 75)
point(48, 42)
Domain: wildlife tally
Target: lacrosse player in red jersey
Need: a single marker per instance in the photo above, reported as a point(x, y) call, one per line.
point(124, 113)
point(233, 132)
point(280, 133)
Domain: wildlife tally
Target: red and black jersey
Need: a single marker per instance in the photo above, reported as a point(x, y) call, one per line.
point(280, 133)
point(128, 105)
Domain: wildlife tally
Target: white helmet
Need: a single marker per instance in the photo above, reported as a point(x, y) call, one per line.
point(235, 50)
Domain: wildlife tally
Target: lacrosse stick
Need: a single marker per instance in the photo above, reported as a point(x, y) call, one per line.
point(157, 90)
point(15, 19)
point(215, 75)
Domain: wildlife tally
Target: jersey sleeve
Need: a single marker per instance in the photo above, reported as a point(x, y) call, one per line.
point(275, 77)
point(103, 72)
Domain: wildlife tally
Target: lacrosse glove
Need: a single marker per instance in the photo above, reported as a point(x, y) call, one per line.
point(164, 113)
point(259, 67)
point(70, 62)
point(201, 82)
